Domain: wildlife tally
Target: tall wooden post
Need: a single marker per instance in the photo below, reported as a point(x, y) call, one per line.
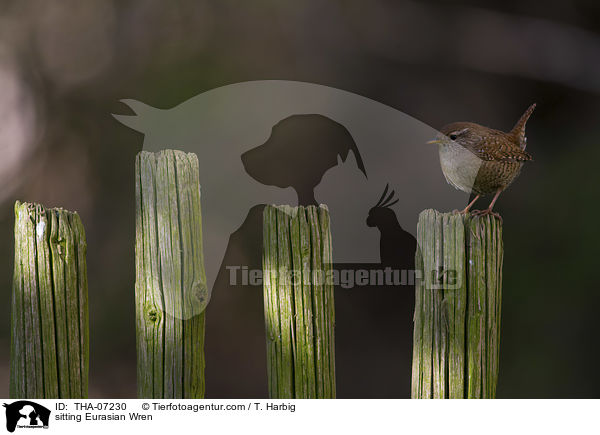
point(49, 314)
point(457, 306)
point(298, 301)
point(170, 292)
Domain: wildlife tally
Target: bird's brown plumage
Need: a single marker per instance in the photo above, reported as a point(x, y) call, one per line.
point(500, 155)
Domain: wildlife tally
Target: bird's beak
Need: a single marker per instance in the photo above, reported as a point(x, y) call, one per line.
point(433, 141)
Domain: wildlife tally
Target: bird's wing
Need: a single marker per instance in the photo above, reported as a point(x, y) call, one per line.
point(496, 148)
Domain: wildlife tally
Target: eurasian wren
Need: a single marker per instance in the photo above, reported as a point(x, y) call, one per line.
point(482, 160)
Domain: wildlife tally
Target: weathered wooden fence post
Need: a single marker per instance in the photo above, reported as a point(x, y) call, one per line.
point(49, 314)
point(457, 306)
point(298, 301)
point(171, 292)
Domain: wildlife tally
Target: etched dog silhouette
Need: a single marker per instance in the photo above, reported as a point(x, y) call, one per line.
point(282, 142)
point(300, 150)
point(222, 124)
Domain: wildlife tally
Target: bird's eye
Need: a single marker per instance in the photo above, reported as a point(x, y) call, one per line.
point(453, 136)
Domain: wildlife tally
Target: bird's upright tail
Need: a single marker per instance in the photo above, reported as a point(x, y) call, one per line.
point(518, 130)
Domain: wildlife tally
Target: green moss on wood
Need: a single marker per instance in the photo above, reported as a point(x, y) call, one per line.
point(49, 313)
point(170, 292)
point(298, 301)
point(457, 312)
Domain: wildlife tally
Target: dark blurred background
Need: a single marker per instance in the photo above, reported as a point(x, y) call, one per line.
point(64, 66)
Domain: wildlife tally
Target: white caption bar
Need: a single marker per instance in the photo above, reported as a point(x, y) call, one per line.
point(300, 416)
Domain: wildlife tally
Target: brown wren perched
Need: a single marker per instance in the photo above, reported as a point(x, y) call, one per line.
point(482, 160)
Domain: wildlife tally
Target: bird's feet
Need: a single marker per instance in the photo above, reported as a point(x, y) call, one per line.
point(463, 211)
point(486, 212)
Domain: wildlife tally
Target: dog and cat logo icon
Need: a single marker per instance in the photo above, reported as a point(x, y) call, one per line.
point(25, 414)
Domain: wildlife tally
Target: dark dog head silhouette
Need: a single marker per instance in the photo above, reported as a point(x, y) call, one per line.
point(33, 412)
point(299, 151)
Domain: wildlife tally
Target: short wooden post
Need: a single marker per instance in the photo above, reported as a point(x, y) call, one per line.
point(49, 314)
point(457, 306)
point(298, 301)
point(170, 292)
